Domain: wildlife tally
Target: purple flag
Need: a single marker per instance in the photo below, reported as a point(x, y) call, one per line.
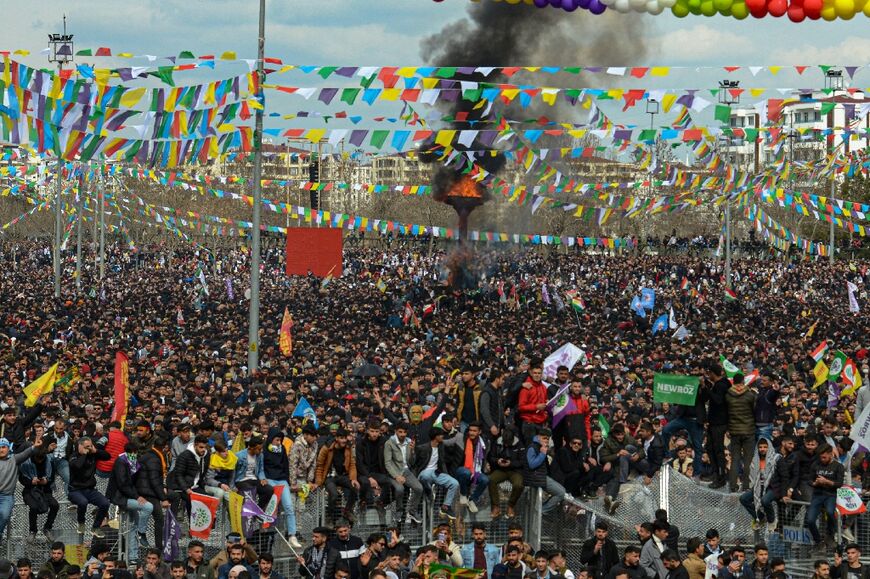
point(545, 295)
point(561, 406)
point(171, 532)
point(231, 295)
point(251, 512)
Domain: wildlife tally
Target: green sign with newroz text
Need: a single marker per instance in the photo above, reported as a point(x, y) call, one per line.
point(675, 389)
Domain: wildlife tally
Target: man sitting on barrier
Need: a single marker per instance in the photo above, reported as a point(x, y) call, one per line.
point(190, 474)
point(123, 493)
point(620, 451)
point(827, 476)
point(83, 485)
point(536, 471)
point(431, 469)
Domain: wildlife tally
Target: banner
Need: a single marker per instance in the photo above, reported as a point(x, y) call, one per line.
point(849, 501)
point(122, 387)
point(203, 509)
point(860, 431)
point(235, 510)
point(567, 355)
point(438, 571)
point(285, 340)
point(171, 532)
point(675, 389)
point(274, 502)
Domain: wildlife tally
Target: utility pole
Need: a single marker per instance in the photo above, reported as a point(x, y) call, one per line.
point(60, 52)
point(831, 245)
point(79, 219)
point(102, 203)
point(254, 306)
point(728, 243)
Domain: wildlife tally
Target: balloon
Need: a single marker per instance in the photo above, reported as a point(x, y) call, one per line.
point(813, 8)
point(541, 3)
point(867, 9)
point(668, 3)
point(622, 6)
point(777, 8)
point(596, 7)
point(556, 3)
point(756, 5)
point(569, 5)
point(583, 4)
point(680, 9)
point(739, 10)
point(757, 12)
point(654, 7)
point(796, 12)
point(845, 9)
point(708, 8)
point(637, 5)
point(828, 12)
point(722, 5)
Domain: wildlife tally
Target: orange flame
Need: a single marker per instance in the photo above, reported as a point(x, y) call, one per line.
point(465, 187)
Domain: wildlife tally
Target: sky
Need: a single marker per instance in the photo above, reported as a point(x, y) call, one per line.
point(389, 32)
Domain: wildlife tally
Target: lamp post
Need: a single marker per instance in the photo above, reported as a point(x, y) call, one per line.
point(833, 82)
point(254, 306)
point(728, 96)
point(60, 52)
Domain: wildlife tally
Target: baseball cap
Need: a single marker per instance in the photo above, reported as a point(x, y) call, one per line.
point(233, 537)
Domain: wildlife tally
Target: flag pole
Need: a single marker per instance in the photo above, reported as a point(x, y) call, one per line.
point(295, 554)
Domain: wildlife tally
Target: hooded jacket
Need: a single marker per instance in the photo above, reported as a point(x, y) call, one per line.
point(760, 479)
point(276, 463)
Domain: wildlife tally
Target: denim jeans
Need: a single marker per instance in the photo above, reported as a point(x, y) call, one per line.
point(286, 504)
point(139, 515)
point(817, 504)
point(556, 492)
point(60, 466)
point(6, 504)
point(84, 497)
point(428, 478)
point(763, 431)
point(768, 505)
point(463, 476)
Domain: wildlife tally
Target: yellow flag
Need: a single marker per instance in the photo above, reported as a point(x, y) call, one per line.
point(236, 500)
point(238, 443)
point(812, 329)
point(821, 373)
point(42, 385)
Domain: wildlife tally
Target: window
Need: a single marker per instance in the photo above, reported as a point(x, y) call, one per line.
point(818, 115)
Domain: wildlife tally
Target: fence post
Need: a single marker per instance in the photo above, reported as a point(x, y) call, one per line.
point(534, 518)
point(665, 489)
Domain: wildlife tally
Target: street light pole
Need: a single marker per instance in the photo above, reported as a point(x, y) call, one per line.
point(79, 219)
point(102, 202)
point(61, 52)
point(831, 245)
point(254, 306)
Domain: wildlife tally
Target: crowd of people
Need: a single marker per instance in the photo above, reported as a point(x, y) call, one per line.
point(421, 389)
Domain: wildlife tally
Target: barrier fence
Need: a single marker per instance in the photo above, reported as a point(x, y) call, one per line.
point(693, 508)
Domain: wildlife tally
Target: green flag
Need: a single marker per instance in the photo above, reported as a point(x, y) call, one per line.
point(438, 571)
point(675, 389)
point(730, 369)
point(723, 114)
point(836, 367)
point(603, 425)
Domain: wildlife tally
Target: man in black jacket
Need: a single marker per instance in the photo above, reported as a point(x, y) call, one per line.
point(370, 470)
point(654, 452)
point(149, 481)
point(492, 404)
point(123, 493)
point(314, 560)
point(83, 485)
point(599, 553)
point(630, 564)
point(12, 428)
point(805, 460)
point(827, 477)
point(190, 474)
point(716, 387)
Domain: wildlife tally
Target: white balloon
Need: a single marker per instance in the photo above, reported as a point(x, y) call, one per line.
point(622, 6)
point(654, 7)
point(637, 5)
point(667, 3)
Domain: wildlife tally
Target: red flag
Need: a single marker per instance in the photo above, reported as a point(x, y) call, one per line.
point(202, 514)
point(274, 502)
point(122, 388)
point(285, 339)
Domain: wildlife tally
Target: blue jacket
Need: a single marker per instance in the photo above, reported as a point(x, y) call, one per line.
point(491, 553)
point(242, 466)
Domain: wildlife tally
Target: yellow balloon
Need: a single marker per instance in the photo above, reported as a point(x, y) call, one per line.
point(828, 13)
point(867, 9)
point(844, 8)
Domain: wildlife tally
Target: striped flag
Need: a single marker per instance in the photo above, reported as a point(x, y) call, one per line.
point(819, 353)
point(730, 369)
point(684, 284)
point(730, 295)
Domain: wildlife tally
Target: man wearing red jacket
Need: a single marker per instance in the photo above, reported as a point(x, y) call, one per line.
point(532, 404)
point(114, 442)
